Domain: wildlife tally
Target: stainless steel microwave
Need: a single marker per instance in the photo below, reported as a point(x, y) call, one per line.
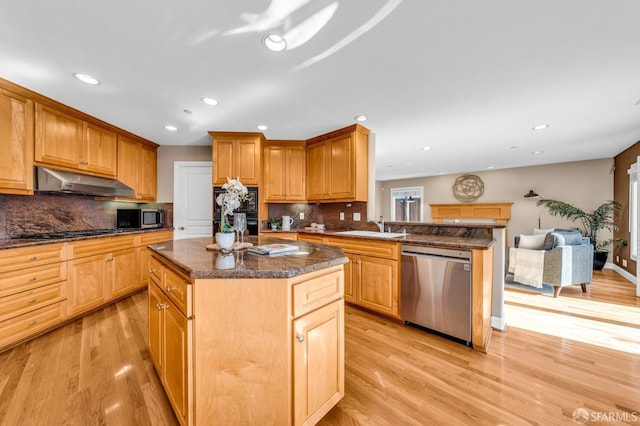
point(139, 218)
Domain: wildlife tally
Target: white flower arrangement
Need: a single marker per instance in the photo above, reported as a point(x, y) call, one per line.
point(235, 193)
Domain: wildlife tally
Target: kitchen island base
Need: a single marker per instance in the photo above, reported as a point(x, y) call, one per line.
point(247, 350)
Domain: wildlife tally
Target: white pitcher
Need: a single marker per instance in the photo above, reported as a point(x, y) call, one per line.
point(287, 221)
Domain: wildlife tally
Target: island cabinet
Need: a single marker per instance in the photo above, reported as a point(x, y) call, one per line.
point(285, 171)
point(144, 254)
point(33, 291)
point(100, 270)
point(16, 139)
point(237, 155)
point(171, 336)
point(138, 167)
point(337, 165)
point(64, 141)
point(372, 275)
point(245, 350)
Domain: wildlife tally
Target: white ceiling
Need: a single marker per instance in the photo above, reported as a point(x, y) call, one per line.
point(469, 78)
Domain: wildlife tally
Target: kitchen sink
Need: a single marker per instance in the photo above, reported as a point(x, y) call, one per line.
point(372, 234)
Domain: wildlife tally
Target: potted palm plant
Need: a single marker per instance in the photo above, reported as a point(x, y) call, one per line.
point(592, 222)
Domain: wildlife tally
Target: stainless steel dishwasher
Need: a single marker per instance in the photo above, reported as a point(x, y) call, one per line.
point(436, 290)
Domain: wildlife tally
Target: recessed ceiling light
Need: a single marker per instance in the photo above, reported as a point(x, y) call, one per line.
point(491, 167)
point(209, 101)
point(86, 78)
point(426, 148)
point(540, 127)
point(536, 152)
point(361, 118)
point(274, 42)
point(513, 147)
point(187, 111)
point(262, 127)
point(170, 127)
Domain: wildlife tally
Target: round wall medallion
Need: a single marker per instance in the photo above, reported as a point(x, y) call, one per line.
point(468, 188)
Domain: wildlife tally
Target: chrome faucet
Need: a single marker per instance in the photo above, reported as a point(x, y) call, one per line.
point(380, 224)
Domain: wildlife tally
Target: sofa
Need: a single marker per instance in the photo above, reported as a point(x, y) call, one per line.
point(556, 258)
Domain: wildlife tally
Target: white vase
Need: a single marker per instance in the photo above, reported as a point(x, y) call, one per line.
point(225, 261)
point(225, 239)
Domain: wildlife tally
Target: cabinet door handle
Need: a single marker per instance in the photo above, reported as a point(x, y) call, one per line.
point(32, 300)
point(160, 306)
point(32, 322)
point(33, 258)
point(170, 289)
point(300, 338)
point(33, 278)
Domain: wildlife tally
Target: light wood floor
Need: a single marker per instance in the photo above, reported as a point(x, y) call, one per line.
point(558, 355)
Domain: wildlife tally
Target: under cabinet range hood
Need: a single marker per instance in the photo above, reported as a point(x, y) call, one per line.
point(50, 180)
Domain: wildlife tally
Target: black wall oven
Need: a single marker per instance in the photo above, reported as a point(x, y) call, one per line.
point(250, 208)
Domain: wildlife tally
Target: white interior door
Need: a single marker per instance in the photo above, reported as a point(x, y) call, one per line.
point(192, 199)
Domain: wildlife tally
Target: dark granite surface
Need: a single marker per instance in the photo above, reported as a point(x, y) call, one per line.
point(27, 242)
point(448, 235)
point(192, 257)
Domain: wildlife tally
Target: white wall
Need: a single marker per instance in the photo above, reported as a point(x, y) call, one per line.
point(586, 184)
point(167, 154)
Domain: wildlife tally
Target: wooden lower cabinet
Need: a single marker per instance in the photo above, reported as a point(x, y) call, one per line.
point(372, 276)
point(176, 351)
point(86, 284)
point(377, 287)
point(255, 351)
point(122, 268)
point(33, 291)
point(318, 377)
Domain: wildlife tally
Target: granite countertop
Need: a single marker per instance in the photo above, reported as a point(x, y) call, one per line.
point(190, 256)
point(27, 242)
point(452, 240)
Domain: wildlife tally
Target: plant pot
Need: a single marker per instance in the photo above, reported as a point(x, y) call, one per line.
point(225, 239)
point(599, 259)
point(225, 261)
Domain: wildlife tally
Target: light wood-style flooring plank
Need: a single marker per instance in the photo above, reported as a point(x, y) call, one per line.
point(581, 350)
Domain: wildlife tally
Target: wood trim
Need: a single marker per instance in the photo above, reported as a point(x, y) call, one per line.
point(481, 297)
point(500, 212)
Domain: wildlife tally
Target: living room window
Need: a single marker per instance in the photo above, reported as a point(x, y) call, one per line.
point(406, 204)
point(633, 210)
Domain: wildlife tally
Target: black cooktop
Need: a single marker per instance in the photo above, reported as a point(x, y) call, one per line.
point(68, 234)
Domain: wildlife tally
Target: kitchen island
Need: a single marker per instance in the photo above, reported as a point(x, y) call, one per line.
point(243, 338)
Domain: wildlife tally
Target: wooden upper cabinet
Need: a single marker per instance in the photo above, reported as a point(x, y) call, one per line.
point(237, 155)
point(285, 171)
point(68, 142)
point(16, 139)
point(99, 150)
point(58, 138)
point(337, 165)
point(138, 168)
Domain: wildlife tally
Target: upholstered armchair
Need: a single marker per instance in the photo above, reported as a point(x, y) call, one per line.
point(564, 256)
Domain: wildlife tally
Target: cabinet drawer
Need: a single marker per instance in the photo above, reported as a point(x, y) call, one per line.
point(156, 270)
point(99, 245)
point(21, 303)
point(179, 291)
point(387, 250)
point(29, 324)
point(25, 257)
point(317, 292)
point(18, 281)
point(155, 237)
